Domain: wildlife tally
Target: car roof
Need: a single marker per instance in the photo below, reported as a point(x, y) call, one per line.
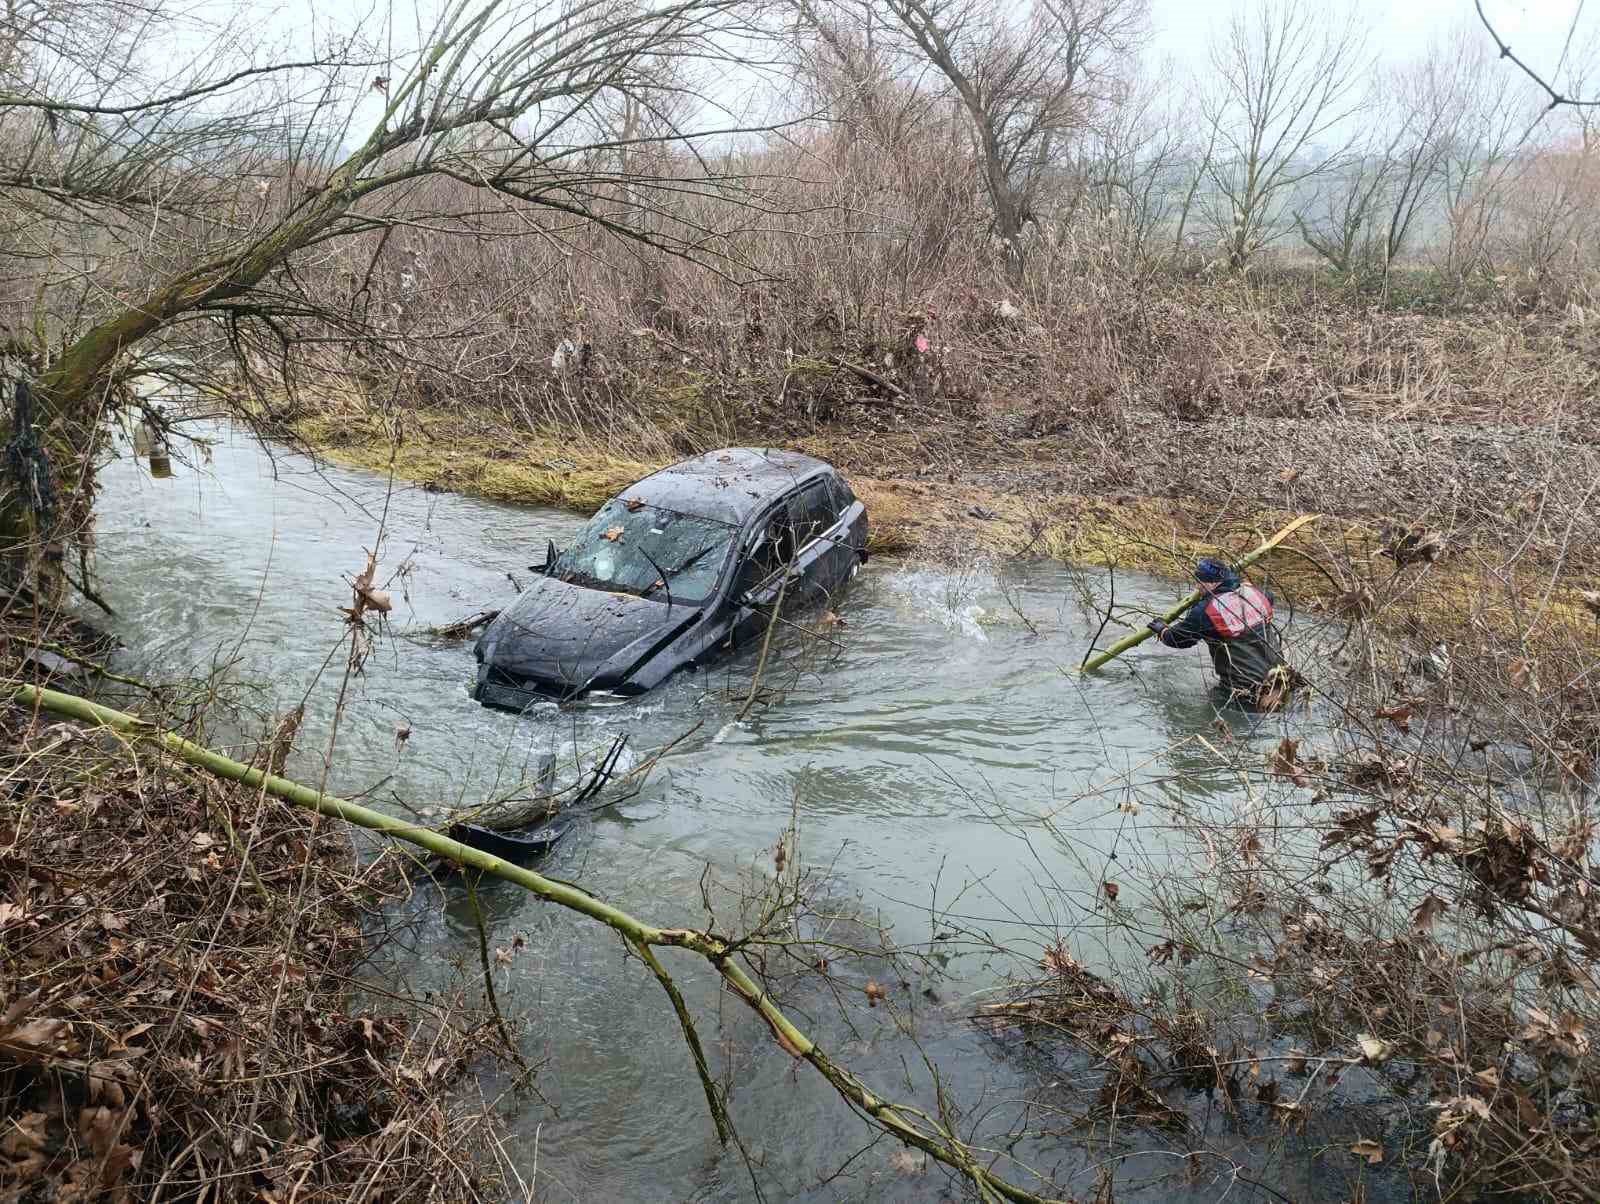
point(728, 485)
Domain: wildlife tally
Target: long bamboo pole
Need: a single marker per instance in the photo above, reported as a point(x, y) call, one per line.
point(899, 1121)
point(1245, 561)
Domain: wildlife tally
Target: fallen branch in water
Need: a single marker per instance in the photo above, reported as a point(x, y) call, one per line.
point(906, 1123)
point(462, 628)
point(1128, 641)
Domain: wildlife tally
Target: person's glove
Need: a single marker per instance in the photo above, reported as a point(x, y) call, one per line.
point(1157, 627)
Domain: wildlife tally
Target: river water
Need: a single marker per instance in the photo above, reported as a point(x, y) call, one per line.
point(945, 774)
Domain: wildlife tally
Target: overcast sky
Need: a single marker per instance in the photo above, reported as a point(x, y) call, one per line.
point(1535, 29)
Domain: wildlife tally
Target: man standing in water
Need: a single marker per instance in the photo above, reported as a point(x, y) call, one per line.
point(1235, 621)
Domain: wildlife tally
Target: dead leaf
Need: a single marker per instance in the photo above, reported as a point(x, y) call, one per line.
point(39, 1036)
point(907, 1163)
point(1520, 672)
point(1368, 1149)
point(612, 533)
point(1426, 913)
point(23, 1133)
point(1399, 715)
point(402, 733)
point(377, 600)
point(1111, 889)
point(1373, 1049)
point(633, 504)
point(875, 993)
point(1358, 601)
point(830, 619)
point(1289, 476)
point(10, 913)
point(1285, 762)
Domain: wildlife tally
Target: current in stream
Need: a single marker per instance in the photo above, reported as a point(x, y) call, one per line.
point(942, 768)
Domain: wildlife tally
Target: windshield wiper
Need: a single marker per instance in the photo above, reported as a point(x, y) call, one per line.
point(666, 575)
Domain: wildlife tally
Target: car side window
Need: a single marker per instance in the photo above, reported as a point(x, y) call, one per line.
point(774, 549)
point(840, 494)
point(812, 511)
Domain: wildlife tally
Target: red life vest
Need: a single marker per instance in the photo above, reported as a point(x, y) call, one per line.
point(1239, 610)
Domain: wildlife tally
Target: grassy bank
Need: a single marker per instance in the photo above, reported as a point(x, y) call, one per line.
point(1342, 564)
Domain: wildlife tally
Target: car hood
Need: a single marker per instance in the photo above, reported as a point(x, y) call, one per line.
point(567, 635)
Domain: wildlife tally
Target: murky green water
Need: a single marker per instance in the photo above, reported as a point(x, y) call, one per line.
point(922, 758)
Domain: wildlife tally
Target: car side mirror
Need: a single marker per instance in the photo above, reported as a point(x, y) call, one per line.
point(551, 555)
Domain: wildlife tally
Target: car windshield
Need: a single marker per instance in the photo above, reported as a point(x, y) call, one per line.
point(632, 548)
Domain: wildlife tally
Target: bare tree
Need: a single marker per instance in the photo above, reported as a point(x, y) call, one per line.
point(1490, 113)
point(1028, 78)
point(1350, 196)
point(204, 197)
point(1132, 165)
point(1285, 77)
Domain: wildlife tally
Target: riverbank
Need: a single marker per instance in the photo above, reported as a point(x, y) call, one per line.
point(1500, 519)
point(185, 995)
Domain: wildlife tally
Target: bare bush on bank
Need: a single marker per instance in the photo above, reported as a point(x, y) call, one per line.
point(1383, 948)
point(181, 992)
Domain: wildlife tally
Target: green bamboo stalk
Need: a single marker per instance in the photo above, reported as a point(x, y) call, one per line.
point(1138, 637)
point(896, 1119)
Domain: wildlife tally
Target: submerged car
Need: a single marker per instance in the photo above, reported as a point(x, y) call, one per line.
point(681, 567)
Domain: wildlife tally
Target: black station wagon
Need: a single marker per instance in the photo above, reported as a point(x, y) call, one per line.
point(677, 569)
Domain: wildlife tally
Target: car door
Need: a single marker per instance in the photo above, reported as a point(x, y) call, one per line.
point(766, 557)
point(813, 517)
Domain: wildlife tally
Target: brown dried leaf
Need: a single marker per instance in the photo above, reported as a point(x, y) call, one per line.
point(875, 993)
point(1285, 762)
point(38, 1036)
point(1368, 1149)
point(633, 504)
point(1426, 913)
point(612, 533)
point(1399, 715)
point(23, 1133)
point(1289, 476)
point(1520, 671)
point(1111, 889)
